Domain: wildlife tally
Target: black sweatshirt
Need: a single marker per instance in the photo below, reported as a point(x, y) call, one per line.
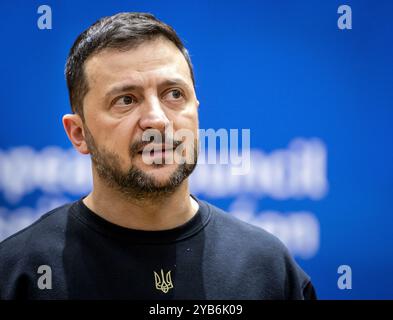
point(72, 253)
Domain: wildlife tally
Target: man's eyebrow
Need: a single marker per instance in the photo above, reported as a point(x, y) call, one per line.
point(117, 89)
point(121, 88)
point(175, 82)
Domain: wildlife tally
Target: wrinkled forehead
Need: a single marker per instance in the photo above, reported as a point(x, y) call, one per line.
point(150, 61)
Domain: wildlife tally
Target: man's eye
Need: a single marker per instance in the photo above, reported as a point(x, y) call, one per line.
point(125, 100)
point(174, 94)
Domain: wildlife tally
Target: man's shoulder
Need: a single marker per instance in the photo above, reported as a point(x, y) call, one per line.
point(44, 230)
point(235, 230)
point(261, 249)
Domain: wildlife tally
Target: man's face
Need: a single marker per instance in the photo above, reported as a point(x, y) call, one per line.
point(149, 87)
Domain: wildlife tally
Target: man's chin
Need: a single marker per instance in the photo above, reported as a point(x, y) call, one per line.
point(161, 173)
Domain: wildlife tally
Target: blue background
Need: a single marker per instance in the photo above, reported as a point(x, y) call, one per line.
point(283, 69)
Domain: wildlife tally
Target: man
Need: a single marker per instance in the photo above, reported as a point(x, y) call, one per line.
point(140, 234)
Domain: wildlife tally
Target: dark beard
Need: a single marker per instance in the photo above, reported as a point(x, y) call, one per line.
point(135, 184)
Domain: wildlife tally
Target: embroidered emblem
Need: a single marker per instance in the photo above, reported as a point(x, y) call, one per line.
point(163, 283)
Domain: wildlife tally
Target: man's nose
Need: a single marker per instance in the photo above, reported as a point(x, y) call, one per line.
point(152, 115)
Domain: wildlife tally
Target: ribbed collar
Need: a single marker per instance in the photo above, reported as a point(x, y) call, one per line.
point(86, 216)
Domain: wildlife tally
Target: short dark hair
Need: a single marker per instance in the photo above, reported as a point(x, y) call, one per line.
point(121, 31)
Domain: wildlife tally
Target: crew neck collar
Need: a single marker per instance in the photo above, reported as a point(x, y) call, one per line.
point(92, 220)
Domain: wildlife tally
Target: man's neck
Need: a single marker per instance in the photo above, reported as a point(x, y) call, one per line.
point(168, 213)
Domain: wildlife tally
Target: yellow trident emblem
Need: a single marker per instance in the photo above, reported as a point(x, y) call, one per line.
point(163, 283)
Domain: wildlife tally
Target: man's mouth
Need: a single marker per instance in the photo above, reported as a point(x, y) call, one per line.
point(156, 150)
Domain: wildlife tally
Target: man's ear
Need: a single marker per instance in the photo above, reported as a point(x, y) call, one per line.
point(73, 126)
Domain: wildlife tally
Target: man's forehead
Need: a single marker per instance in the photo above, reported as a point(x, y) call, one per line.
point(158, 57)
